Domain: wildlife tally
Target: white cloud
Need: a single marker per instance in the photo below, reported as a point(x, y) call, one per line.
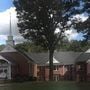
point(57, 30)
point(5, 20)
point(5, 25)
point(81, 17)
point(74, 35)
point(71, 34)
point(2, 39)
point(18, 39)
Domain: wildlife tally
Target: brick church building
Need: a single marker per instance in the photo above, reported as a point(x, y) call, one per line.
point(67, 65)
point(14, 63)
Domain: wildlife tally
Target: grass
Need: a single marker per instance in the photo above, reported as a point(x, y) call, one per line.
point(64, 85)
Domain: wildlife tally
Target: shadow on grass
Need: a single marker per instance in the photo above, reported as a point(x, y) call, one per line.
point(83, 85)
point(61, 85)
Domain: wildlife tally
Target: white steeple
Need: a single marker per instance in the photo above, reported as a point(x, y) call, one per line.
point(10, 40)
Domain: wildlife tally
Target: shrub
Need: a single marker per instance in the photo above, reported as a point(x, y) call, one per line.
point(31, 78)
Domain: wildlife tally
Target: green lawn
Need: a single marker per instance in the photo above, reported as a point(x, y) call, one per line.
point(46, 86)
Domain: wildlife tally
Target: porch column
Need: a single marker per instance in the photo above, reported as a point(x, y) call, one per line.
point(35, 70)
point(9, 72)
point(77, 72)
point(63, 70)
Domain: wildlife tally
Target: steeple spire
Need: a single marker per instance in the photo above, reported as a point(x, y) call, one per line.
point(10, 40)
point(10, 33)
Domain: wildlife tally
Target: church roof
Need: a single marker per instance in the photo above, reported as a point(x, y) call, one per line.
point(2, 58)
point(15, 57)
point(84, 57)
point(9, 48)
point(59, 57)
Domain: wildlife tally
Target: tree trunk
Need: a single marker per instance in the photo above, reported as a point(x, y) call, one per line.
point(51, 52)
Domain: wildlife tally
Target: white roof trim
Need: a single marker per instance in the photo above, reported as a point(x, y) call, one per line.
point(2, 58)
point(54, 61)
point(88, 51)
point(9, 48)
point(88, 61)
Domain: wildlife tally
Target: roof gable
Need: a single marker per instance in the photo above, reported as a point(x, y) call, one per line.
point(9, 48)
point(2, 58)
point(54, 61)
point(16, 57)
point(88, 51)
point(84, 57)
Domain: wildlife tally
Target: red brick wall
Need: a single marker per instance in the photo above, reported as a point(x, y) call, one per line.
point(81, 71)
point(63, 72)
point(23, 70)
point(88, 71)
point(41, 73)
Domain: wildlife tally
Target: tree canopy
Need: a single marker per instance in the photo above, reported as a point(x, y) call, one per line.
point(29, 47)
point(84, 26)
point(76, 46)
point(44, 22)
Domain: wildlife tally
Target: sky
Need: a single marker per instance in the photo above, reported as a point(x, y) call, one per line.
point(7, 7)
point(5, 4)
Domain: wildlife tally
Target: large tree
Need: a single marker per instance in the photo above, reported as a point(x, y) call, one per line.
point(45, 21)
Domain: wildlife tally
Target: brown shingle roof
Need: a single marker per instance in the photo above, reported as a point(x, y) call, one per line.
point(15, 57)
